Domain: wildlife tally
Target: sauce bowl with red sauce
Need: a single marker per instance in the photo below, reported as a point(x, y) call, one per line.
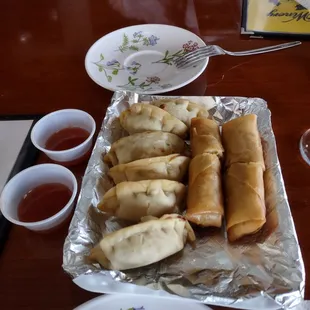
point(65, 136)
point(39, 198)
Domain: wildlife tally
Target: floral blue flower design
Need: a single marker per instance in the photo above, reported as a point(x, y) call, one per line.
point(133, 68)
point(135, 83)
point(136, 34)
point(153, 40)
point(132, 43)
point(113, 62)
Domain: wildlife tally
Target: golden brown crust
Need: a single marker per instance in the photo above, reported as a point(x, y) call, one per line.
point(133, 200)
point(143, 244)
point(146, 117)
point(245, 200)
point(171, 167)
point(182, 109)
point(144, 145)
point(242, 141)
point(205, 197)
point(205, 137)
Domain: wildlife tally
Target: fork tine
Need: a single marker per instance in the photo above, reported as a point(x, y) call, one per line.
point(187, 64)
point(195, 59)
point(189, 55)
point(186, 58)
point(199, 50)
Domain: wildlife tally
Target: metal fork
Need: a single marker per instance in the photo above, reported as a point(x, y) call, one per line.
point(213, 50)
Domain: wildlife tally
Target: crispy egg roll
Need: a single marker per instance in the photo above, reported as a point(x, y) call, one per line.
point(242, 141)
point(205, 137)
point(245, 199)
point(146, 117)
point(144, 145)
point(133, 200)
point(172, 167)
point(205, 197)
point(143, 244)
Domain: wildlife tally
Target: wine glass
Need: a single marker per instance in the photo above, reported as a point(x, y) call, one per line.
point(304, 146)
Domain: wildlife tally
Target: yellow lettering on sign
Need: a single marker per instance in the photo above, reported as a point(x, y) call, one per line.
point(278, 16)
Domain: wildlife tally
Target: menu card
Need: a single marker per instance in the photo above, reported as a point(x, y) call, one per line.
point(276, 17)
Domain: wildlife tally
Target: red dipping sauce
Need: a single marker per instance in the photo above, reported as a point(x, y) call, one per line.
point(43, 202)
point(66, 138)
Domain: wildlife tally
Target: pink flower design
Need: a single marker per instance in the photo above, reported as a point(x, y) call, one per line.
point(190, 46)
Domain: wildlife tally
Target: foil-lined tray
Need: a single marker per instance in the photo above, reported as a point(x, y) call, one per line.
point(267, 270)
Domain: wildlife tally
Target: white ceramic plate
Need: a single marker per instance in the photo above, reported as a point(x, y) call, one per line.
point(140, 59)
point(140, 302)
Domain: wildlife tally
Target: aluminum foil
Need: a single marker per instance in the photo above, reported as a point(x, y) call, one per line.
point(268, 266)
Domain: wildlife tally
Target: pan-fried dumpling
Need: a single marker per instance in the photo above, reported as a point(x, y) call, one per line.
point(133, 200)
point(182, 109)
point(172, 167)
point(146, 117)
point(144, 145)
point(143, 244)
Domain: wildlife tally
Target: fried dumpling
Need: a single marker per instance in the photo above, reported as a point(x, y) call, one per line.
point(143, 244)
point(146, 117)
point(182, 109)
point(144, 145)
point(172, 167)
point(133, 200)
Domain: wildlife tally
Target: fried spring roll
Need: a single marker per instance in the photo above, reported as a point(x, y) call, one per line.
point(245, 200)
point(205, 197)
point(205, 137)
point(242, 141)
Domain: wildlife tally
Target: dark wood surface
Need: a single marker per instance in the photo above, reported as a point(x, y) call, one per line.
point(43, 45)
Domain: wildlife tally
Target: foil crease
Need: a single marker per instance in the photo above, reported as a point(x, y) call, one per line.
point(216, 272)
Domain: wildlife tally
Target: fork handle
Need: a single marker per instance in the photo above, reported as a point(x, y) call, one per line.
point(264, 49)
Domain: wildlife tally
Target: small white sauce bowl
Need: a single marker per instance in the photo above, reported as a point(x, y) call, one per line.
point(56, 121)
point(28, 179)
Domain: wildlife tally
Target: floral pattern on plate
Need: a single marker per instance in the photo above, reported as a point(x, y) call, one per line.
point(150, 83)
point(141, 58)
point(114, 64)
point(115, 67)
point(169, 57)
point(133, 68)
point(134, 43)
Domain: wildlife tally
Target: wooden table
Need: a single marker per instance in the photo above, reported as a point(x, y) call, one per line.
point(43, 45)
